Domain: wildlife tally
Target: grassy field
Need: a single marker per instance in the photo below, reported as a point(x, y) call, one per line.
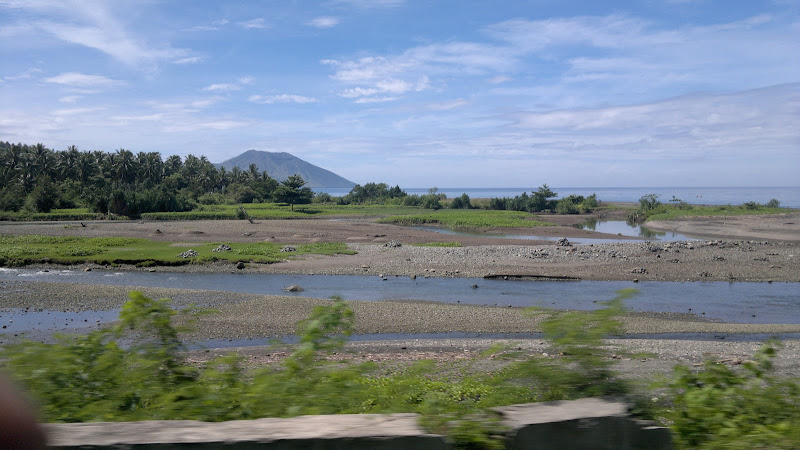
point(281, 211)
point(467, 219)
point(24, 250)
point(673, 212)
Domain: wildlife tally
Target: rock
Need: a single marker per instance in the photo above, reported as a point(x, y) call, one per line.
point(222, 248)
point(188, 254)
point(293, 288)
point(288, 249)
point(563, 242)
point(87, 269)
point(474, 286)
point(639, 270)
point(392, 244)
point(240, 265)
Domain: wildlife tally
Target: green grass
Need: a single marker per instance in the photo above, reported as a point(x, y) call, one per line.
point(24, 250)
point(467, 219)
point(280, 211)
point(673, 212)
point(54, 215)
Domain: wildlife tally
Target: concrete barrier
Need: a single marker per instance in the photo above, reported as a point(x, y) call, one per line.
point(587, 423)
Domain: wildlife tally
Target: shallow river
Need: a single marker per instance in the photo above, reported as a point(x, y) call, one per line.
point(739, 302)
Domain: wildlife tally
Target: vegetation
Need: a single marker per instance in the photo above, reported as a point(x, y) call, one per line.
point(35, 179)
point(463, 219)
point(650, 208)
point(24, 250)
point(719, 407)
point(94, 377)
point(291, 191)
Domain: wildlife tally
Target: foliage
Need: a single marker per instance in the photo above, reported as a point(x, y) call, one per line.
point(95, 377)
point(291, 191)
point(462, 202)
point(23, 250)
point(575, 204)
point(372, 193)
point(652, 209)
point(120, 182)
point(540, 200)
point(719, 407)
point(467, 219)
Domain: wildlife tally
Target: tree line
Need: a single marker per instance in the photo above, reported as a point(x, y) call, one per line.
point(38, 179)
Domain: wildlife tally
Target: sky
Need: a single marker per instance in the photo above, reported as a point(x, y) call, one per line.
point(420, 93)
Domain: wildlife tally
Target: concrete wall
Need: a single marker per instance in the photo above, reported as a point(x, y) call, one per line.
point(587, 423)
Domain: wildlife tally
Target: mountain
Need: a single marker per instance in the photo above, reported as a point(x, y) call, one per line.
point(281, 165)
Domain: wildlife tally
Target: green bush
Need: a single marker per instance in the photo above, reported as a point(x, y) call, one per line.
point(719, 407)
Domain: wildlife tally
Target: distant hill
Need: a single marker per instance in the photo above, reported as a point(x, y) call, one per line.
point(281, 165)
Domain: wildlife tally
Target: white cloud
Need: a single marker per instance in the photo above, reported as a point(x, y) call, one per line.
point(81, 80)
point(499, 79)
point(445, 106)
point(253, 24)
point(324, 22)
point(222, 87)
point(94, 24)
point(247, 80)
point(69, 99)
point(189, 60)
point(281, 98)
point(26, 75)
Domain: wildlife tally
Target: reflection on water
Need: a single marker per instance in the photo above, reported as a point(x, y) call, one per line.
point(624, 228)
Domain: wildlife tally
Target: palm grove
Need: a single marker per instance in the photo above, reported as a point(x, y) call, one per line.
point(38, 179)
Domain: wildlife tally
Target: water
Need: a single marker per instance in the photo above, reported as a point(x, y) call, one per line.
point(611, 227)
point(789, 196)
point(739, 302)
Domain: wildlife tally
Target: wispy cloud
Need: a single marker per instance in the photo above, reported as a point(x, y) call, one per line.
point(97, 25)
point(324, 22)
point(26, 75)
point(253, 24)
point(80, 80)
point(222, 87)
point(189, 60)
point(281, 98)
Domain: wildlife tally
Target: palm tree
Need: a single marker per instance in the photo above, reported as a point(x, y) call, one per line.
point(172, 165)
point(124, 166)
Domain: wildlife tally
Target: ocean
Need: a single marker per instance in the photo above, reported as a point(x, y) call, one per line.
point(788, 196)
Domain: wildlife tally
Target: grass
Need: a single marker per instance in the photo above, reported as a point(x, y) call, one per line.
point(673, 212)
point(24, 250)
point(467, 219)
point(280, 211)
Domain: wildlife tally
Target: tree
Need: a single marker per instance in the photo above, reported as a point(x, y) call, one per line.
point(292, 191)
point(540, 199)
point(43, 197)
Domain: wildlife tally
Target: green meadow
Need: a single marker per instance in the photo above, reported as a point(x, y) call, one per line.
point(24, 250)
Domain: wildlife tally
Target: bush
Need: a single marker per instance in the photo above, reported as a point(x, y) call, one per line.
point(720, 407)
point(773, 203)
point(461, 202)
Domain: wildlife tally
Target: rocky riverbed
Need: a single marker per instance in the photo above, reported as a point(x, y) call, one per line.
point(245, 316)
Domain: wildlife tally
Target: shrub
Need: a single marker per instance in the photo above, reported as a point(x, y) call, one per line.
point(719, 407)
point(773, 203)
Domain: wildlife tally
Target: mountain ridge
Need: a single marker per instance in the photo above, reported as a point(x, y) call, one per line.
point(281, 165)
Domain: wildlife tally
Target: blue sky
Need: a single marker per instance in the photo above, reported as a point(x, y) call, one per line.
point(417, 92)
